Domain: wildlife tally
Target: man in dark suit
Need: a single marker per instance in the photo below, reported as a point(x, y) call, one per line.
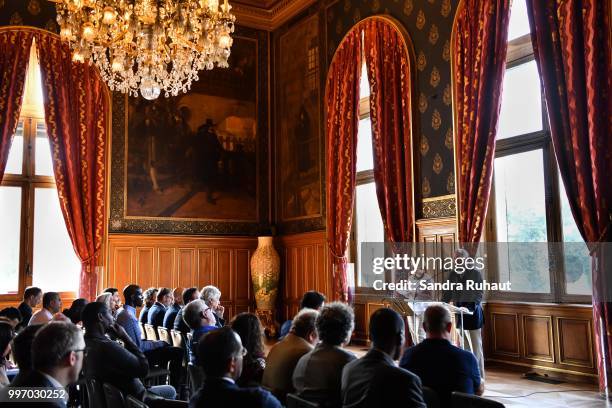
point(57, 359)
point(374, 381)
point(158, 310)
point(221, 353)
point(173, 310)
point(188, 295)
point(32, 296)
point(150, 296)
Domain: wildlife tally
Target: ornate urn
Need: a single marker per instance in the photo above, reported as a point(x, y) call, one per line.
point(265, 271)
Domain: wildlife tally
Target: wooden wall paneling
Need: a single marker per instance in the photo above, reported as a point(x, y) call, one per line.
point(165, 267)
point(537, 336)
point(225, 278)
point(575, 339)
point(145, 267)
point(121, 262)
point(186, 268)
point(205, 272)
point(505, 334)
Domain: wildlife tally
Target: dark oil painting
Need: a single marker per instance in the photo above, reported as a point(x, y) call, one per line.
point(299, 172)
point(194, 156)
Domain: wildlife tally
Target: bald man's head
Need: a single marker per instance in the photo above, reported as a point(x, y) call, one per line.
point(437, 320)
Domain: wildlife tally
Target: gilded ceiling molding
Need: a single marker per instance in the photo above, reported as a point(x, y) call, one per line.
point(268, 19)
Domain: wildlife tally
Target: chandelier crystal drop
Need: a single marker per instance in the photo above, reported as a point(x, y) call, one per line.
point(148, 45)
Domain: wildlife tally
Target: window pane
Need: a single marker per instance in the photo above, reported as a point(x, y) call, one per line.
point(14, 165)
point(519, 22)
point(10, 220)
point(576, 253)
point(520, 211)
point(369, 224)
point(521, 106)
point(56, 266)
point(44, 165)
point(364, 86)
point(365, 155)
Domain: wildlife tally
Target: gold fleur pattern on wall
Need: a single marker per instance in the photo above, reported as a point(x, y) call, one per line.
point(436, 120)
point(34, 7)
point(448, 139)
point(446, 8)
point(347, 6)
point(434, 80)
point(434, 35)
point(375, 6)
point(447, 97)
point(408, 7)
point(421, 61)
point(431, 1)
point(339, 27)
point(16, 19)
point(420, 22)
point(424, 145)
point(51, 25)
point(446, 51)
point(422, 103)
point(356, 16)
point(450, 183)
point(1, 3)
point(426, 187)
point(437, 163)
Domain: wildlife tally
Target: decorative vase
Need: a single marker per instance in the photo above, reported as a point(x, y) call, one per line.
point(265, 271)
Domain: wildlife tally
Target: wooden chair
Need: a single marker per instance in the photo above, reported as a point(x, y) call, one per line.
point(431, 398)
point(95, 394)
point(143, 333)
point(163, 335)
point(462, 400)
point(150, 331)
point(177, 339)
point(293, 401)
point(113, 396)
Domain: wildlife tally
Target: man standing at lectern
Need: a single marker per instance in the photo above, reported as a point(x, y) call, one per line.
point(470, 299)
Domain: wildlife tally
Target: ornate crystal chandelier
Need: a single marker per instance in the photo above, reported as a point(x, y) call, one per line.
point(148, 45)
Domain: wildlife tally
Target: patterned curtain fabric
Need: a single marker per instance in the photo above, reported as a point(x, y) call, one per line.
point(571, 41)
point(76, 110)
point(389, 75)
point(479, 62)
point(15, 51)
point(342, 106)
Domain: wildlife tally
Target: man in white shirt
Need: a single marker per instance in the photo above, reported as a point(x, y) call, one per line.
point(52, 304)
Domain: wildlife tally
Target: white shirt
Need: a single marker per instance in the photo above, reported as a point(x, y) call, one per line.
point(41, 317)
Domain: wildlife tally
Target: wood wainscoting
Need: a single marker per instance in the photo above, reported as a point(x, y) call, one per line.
point(542, 337)
point(185, 261)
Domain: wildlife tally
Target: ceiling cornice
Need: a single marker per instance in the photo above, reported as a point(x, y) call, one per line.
point(269, 19)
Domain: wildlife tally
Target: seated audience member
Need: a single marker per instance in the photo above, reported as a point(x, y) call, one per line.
point(311, 300)
point(51, 306)
point(317, 375)
point(150, 296)
point(76, 308)
point(374, 381)
point(285, 354)
point(173, 310)
point(188, 295)
point(11, 315)
point(32, 296)
point(211, 295)
point(200, 319)
point(116, 299)
point(109, 300)
point(56, 363)
point(6, 335)
point(440, 365)
point(22, 352)
point(157, 352)
point(109, 362)
point(158, 310)
point(221, 354)
point(249, 328)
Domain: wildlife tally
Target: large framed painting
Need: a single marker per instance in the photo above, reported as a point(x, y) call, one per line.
point(196, 162)
point(299, 128)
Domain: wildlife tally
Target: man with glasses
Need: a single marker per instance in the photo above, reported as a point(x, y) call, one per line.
point(200, 320)
point(221, 354)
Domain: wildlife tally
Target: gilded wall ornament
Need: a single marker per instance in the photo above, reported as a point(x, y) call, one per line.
point(436, 120)
point(52, 26)
point(450, 183)
point(356, 15)
point(446, 51)
point(1, 3)
point(421, 61)
point(447, 96)
point(347, 6)
point(439, 207)
point(434, 34)
point(420, 22)
point(446, 8)
point(408, 7)
point(16, 19)
point(435, 77)
point(422, 103)
point(339, 27)
point(424, 145)
point(375, 6)
point(34, 7)
point(426, 187)
point(448, 139)
point(438, 165)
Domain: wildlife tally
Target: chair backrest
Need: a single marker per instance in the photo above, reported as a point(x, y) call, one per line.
point(163, 334)
point(151, 332)
point(113, 396)
point(177, 339)
point(143, 332)
point(133, 402)
point(196, 377)
point(462, 400)
point(95, 394)
point(431, 398)
point(293, 401)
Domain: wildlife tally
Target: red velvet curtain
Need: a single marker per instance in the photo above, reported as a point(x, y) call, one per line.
point(389, 75)
point(15, 51)
point(76, 109)
point(479, 62)
point(342, 106)
point(571, 41)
